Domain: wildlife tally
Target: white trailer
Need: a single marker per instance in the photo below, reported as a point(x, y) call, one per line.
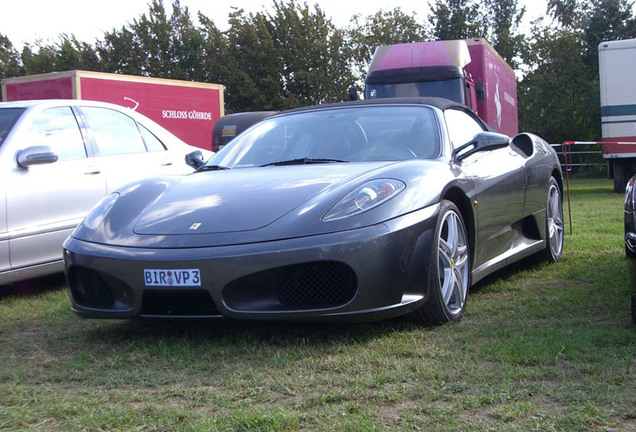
point(617, 66)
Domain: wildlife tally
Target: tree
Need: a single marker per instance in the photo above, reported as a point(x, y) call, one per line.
point(216, 53)
point(314, 58)
point(253, 65)
point(606, 20)
point(567, 12)
point(557, 98)
point(9, 59)
point(496, 20)
point(42, 60)
point(187, 49)
point(67, 54)
point(501, 21)
point(290, 57)
point(118, 52)
point(455, 19)
point(156, 45)
point(560, 98)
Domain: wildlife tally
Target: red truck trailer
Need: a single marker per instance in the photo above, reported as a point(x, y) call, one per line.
point(187, 109)
point(468, 71)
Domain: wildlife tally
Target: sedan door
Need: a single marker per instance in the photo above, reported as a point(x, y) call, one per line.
point(45, 202)
point(125, 150)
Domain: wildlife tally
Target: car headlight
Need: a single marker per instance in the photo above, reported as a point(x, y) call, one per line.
point(365, 197)
point(96, 216)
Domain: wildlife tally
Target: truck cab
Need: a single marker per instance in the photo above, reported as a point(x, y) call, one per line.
point(467, 71)
point(447, 82)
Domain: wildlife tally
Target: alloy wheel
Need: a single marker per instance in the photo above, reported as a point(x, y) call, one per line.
point(554, 215)
point(453, 263)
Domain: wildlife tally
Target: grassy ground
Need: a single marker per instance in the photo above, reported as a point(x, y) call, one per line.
point(542, 347)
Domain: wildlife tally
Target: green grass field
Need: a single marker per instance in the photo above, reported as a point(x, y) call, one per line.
point(542, 348)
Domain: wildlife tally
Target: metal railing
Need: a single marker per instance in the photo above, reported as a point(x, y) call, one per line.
point(567, 155)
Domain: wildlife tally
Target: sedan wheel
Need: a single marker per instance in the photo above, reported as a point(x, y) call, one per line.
point(554, 223)
point(449, 269)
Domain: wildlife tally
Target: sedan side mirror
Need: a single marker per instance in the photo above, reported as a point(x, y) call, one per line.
point(35, 155)
point(195, 159)
point(481, 142)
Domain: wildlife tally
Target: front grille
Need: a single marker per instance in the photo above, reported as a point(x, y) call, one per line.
point(89, 289)
point(324, 284)
point(191, 302)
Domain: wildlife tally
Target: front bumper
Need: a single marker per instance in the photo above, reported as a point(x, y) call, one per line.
point(367, 273)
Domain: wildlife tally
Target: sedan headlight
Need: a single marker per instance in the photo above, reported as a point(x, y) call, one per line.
point(365, 197)
point(98, 213)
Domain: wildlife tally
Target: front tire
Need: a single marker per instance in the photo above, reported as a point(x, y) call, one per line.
point(449, 269)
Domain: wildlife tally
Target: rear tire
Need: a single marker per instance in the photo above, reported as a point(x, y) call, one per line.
point(554, 223)
point(449, 269)
point(620, 174)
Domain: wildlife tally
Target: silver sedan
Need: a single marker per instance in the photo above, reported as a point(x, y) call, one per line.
point(60, 157)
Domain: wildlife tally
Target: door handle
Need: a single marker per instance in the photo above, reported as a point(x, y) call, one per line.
point(92, 171)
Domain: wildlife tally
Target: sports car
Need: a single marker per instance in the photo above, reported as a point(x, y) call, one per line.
point(358, 210)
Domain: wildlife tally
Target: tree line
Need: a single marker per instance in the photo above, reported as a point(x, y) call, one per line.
point(292, 54)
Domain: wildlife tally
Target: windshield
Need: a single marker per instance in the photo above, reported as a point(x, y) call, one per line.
point(452, 89)
point(348, 134)
point(8, 116)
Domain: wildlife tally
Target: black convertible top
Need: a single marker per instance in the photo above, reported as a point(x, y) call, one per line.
point(437, 102)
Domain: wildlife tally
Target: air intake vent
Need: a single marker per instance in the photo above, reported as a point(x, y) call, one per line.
point(89, 289)
point(314, 285)
point(318, 284)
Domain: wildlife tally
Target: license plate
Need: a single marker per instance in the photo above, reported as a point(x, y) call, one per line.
point(172, 277)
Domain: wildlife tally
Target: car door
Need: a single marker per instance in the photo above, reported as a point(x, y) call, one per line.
point(5, 262)
point(8, 118)
point(126, 151)
point(500, 185)
point(45, 202)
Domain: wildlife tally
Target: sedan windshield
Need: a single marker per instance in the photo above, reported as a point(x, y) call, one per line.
point(8, 116)
point(335, 135)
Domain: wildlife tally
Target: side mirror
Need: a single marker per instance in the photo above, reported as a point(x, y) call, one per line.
point(195, 159)
point(353, 93)
point(479, 91)
point(35, 155)
point(482, 142)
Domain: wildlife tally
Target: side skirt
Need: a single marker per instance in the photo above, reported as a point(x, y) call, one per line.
point(520, 251)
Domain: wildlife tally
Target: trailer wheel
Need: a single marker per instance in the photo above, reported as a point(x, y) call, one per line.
point(620, 175)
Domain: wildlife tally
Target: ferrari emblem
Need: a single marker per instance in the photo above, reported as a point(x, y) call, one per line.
point(195, 226)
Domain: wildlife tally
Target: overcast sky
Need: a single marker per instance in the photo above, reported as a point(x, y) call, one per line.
point(25, 21)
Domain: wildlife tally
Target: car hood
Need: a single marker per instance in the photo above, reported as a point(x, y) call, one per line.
point(253, 205)
point(238, 199)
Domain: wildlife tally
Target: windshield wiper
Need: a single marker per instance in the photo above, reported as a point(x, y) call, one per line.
point(302, 161)
point(212, 168)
